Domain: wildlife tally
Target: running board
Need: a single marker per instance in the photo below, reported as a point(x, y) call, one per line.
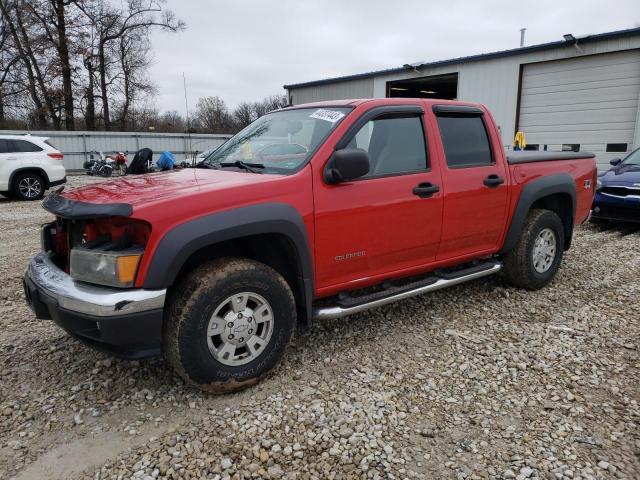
point(432, 283)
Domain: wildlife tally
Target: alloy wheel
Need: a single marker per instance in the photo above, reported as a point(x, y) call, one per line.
point(240, 328)
point(544, 250)
point(30, 187)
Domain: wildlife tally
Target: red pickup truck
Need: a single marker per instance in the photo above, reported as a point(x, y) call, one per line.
point(312, 212)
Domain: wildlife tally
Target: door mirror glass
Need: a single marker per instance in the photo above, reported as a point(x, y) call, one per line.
point(616, 161)
point(347, 164)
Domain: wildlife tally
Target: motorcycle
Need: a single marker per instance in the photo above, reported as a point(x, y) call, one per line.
point(106, 166)
point(119, 163)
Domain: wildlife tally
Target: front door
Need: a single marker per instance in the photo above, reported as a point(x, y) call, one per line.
point(388, 220)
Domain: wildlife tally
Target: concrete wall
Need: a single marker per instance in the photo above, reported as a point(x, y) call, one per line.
point(76, 146)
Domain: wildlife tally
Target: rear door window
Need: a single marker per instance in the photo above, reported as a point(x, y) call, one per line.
point(465, 140)
point(23, 146)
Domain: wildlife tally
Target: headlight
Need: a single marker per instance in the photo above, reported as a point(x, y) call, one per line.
point(114, 269)
point(598, 185)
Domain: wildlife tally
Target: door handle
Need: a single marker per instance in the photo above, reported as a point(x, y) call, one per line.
point(12, 158)
point(493, 181)
point(425, 190)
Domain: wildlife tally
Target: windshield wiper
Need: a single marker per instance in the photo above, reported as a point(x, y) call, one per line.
point(250, 167)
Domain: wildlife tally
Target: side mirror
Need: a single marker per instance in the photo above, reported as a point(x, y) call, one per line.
point(616, 161)
point(346, 164)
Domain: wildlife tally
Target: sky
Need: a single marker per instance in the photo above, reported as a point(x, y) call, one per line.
point(244, 50)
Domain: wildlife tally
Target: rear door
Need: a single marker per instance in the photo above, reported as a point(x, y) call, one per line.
point(475, 183)
point(9, 162)
point(26, 152)
point(386, 221)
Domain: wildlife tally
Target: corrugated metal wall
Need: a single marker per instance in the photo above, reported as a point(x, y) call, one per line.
point(493, 82)
point(76, 146)
point(362, 88)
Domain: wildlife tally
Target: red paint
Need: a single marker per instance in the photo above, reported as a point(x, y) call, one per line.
point(399, 233)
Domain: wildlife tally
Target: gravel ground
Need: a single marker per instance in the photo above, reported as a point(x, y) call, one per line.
point(479, 381)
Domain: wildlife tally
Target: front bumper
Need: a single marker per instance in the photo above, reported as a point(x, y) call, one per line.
point(126, 323)
point(616, 209)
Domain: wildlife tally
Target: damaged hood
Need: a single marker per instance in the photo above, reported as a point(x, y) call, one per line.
point(127, 195)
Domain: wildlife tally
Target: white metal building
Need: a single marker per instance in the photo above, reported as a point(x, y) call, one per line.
point(578, 93)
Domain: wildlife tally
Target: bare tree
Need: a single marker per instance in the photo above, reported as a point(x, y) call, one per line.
point(268, 104)
point(212, 115)
point(171, 121)
point(111, 24)
point(243, 115)
point(54, 18)
point(134, 56)
point(11, 15)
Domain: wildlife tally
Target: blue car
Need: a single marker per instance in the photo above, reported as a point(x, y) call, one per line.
point(618, 191)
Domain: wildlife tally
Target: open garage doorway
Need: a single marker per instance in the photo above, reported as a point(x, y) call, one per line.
point(436, 86)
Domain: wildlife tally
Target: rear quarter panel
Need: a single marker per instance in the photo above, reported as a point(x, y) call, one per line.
point(583, 171)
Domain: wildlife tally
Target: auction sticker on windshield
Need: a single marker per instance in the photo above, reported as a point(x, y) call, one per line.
point(327, 115)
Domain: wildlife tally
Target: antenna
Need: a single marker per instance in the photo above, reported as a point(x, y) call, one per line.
point(522, 30)
point(186, 106)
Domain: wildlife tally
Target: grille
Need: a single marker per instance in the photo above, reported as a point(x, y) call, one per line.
point(621, 191)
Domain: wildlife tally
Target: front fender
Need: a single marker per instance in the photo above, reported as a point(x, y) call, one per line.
point(177, 245)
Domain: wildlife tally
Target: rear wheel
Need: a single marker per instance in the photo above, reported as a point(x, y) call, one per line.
point(28, 186)
point(120, 170)
point(228, 324)
point(534, 261)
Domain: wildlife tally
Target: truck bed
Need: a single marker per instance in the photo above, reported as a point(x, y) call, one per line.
point(514, 158)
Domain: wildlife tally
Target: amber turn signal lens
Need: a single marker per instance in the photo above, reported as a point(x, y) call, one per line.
point(127, 267)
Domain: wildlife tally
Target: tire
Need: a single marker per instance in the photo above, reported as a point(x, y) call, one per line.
point(105, 171)
point(522, 267)
point(202, 350)
point(28, 186)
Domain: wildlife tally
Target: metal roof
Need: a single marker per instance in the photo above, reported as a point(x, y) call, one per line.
point(474, 58)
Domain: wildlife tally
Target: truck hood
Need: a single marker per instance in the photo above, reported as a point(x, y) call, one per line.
point(622, 175)
point(144, 190)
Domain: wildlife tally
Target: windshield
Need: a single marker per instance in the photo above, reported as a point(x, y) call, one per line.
point(279, 142)
point(633, 158)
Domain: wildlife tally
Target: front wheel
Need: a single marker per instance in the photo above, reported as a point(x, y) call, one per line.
point(535, 259)
point(228, 324)
point(105, 171)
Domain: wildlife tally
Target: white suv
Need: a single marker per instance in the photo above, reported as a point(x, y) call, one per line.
point(28, 166)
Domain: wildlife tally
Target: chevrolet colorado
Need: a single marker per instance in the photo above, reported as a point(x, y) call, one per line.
point(316, 211)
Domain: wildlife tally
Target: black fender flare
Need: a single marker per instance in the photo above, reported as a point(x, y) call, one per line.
point(20, 170)
point(535, 190)
point(177, 245)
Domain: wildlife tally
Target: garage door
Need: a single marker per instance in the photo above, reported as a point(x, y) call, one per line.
point(588, 103)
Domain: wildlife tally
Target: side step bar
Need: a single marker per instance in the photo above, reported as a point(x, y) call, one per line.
point(430, 284)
